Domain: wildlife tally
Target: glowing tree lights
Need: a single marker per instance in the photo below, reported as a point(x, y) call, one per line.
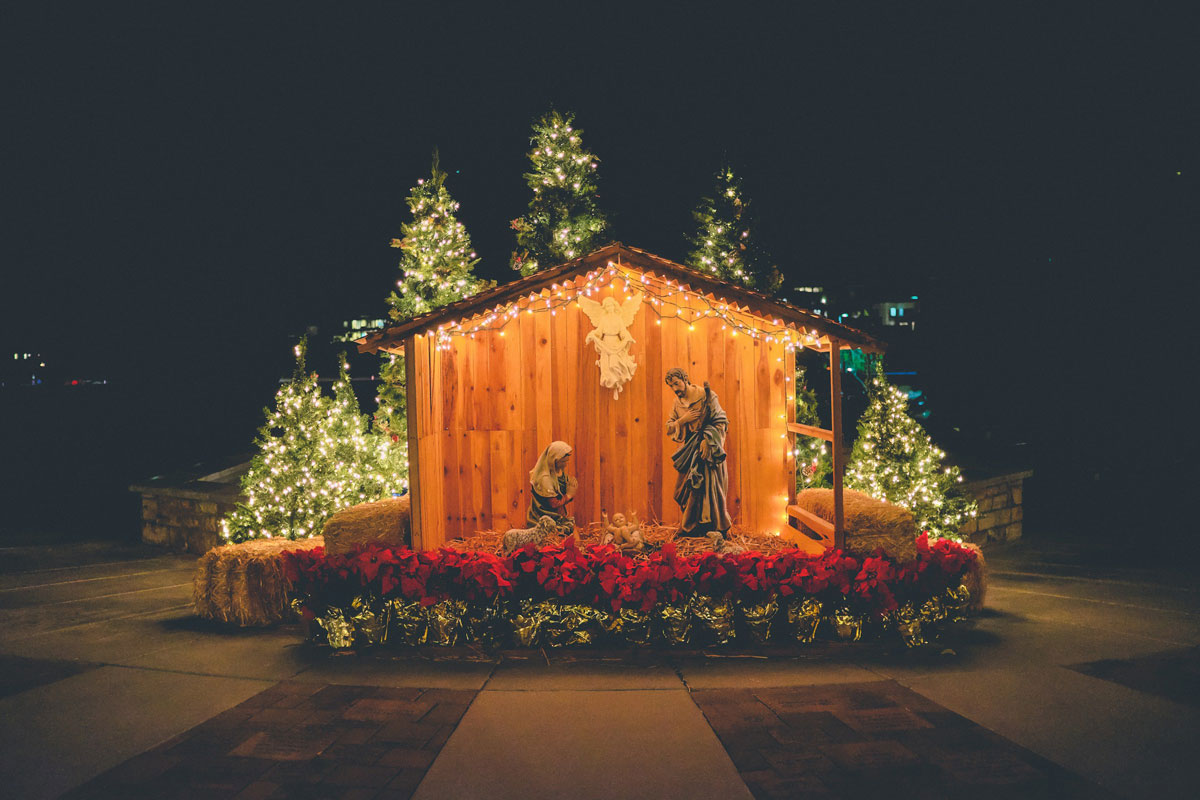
point(315, 456)
point(894, 460)
point(814, 462)
point(563, 221)
point(437, 268)
point(725, 244)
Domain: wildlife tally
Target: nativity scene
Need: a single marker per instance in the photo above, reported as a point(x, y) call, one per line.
point(605, 452)
point(669, 393)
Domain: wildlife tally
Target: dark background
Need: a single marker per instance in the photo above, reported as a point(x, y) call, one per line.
point(187, 193)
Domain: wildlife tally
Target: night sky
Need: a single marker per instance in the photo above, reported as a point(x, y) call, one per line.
point(186, 193)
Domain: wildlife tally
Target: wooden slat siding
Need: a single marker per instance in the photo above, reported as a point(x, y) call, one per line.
point(629, 493)
point(762, 394)
point(504, 418)
point(414, 450)
point(654, 417)
point(642, 429)
point(580, 398)
point(669, 338)
point(735, 442)
point(434, 448)
point(789, 416)
point(839, 457)
point(500, 467)
point(544, 381)
point(481, 480)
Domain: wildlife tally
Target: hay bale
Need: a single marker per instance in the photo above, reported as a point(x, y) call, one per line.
point(870, 523)
point(976, 579)
point(384, 522)
point(244, 583)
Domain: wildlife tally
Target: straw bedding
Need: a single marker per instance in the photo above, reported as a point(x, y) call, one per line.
point(244, 583)
point(655, 536)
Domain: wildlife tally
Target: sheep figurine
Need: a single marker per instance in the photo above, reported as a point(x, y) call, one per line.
point(517, 538)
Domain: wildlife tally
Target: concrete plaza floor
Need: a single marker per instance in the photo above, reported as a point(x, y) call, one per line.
point(1080, 679)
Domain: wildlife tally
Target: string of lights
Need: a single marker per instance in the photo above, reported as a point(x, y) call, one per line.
point(660, 298)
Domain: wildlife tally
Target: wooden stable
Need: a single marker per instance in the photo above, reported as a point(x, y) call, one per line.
point(496, 377)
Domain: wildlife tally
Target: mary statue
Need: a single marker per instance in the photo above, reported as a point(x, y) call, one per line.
point(552, 488)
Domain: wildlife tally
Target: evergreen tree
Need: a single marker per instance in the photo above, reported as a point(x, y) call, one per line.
point(563, 221)
point(894, 460)
point(437, 268)
point(726, 244)
point(814, 461)
point(314, 458)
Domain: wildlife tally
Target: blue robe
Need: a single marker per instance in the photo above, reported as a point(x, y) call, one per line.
point(703, 483)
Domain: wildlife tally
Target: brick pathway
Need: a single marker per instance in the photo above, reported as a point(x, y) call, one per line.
point(875, 739)
point(298, 740)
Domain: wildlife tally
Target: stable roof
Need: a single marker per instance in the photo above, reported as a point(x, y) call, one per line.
point(821, 329)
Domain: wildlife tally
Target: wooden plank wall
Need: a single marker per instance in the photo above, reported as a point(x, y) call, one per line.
point(491, 404)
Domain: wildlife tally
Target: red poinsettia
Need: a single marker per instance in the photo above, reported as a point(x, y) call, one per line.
point(605, 577)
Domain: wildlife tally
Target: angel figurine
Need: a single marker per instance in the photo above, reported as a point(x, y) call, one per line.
point(611, 339)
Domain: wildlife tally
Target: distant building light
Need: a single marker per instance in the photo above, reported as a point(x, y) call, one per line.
point(914, 297)
point(891, 311)
point(824, 300)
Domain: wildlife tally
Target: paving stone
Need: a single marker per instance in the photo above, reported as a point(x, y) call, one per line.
point(354, 742)
point(403, 732)
point(874, 738)
point(376, 709)
point(408, 758)
point(287, 745)
point(359, 775)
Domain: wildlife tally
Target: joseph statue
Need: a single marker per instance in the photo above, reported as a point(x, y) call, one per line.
point(698, 423)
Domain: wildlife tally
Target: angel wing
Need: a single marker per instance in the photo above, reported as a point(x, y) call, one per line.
point(594, 311)
point(630, 308)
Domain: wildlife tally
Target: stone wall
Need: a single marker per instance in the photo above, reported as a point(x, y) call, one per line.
point(999, 517)
point(184, 513)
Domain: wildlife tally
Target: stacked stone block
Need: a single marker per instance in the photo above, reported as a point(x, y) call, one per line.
point(1000, 516)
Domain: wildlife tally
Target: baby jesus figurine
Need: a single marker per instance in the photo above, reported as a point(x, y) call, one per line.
point(625, 536)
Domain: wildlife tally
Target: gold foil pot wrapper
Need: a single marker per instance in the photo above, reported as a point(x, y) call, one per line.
point(759, 617)
point(527, 623)
point(849, 626)
point(957, 603)
point(571, 625)
point(675, 624)
point(369, 617)
point(804, 617)
point(630, 624)
point(714, 617)
point(339, 633)
point(908, 624)
point(445, 620)
point(933, 611)
point(486, 625)
point(406, 622)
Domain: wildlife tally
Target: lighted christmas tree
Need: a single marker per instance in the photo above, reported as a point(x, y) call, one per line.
point(814, 462)
point(315, 457)
point(563, 221)
point(437, 268)
point(893, 459)
point(725, 244)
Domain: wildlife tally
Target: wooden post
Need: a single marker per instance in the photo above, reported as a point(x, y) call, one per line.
point(839, 458)
point(414, 470)
point(789, 386)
